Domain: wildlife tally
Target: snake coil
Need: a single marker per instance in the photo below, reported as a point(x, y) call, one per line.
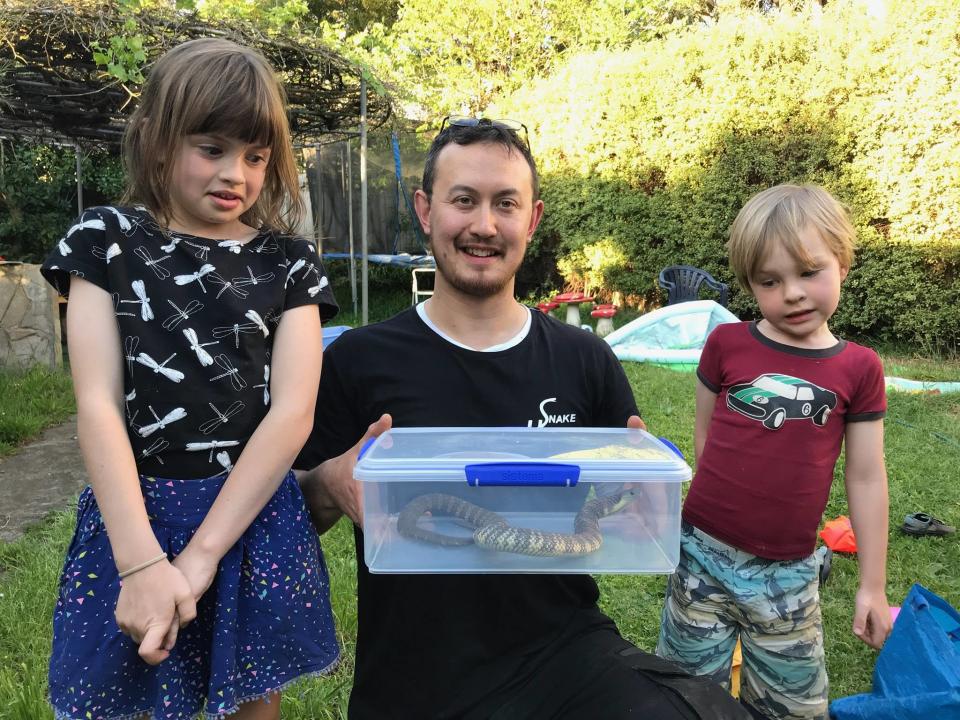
point(493, 532)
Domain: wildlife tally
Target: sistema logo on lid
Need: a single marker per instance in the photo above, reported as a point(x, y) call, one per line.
point(548, 419)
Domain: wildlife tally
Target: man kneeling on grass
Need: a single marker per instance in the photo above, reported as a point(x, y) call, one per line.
point(482, 646)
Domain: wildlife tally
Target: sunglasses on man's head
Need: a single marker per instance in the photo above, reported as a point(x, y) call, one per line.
point(464, 121)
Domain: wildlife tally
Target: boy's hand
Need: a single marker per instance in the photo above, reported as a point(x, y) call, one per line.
point(871, 619)
point(149, 601)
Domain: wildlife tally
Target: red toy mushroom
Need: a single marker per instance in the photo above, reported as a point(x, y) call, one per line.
point(572, 300)
point(604, 315)
point(546, 307)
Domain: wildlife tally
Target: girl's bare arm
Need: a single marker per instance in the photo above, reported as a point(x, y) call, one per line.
point(149, 598)
point(294, 379)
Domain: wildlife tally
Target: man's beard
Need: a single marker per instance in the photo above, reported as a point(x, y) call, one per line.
point(475, 286)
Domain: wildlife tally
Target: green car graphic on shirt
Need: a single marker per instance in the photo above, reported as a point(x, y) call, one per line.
point(773, 399)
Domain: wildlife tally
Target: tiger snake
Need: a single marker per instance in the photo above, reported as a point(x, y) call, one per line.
point(493, 532)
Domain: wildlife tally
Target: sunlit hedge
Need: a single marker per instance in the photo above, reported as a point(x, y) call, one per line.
point(648, 154)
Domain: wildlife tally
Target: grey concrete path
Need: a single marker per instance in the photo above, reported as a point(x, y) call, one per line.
point(41, 477)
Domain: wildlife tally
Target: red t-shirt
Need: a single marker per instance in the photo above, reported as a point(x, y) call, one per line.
point(764, 477)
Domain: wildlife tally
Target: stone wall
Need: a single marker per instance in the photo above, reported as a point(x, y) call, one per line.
point(29, 318)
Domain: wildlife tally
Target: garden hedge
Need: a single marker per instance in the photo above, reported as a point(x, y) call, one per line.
point(648, 154)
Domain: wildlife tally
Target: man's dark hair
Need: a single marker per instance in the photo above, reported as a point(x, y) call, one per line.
point(484, 131)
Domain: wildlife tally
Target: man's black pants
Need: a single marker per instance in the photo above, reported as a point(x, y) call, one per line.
point(600, 675)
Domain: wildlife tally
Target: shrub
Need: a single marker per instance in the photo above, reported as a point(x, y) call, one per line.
point(38, 194)
point(648, 154)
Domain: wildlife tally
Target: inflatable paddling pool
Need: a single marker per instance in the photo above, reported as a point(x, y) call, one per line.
point(671, 336)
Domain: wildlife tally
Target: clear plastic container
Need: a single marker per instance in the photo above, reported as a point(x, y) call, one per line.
point(479, 500)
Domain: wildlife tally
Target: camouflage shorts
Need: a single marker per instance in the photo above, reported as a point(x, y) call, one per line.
point(719, 594)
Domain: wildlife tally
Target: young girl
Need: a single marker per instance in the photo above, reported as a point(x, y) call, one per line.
point(194, 581)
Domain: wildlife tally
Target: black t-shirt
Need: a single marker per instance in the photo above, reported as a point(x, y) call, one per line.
point(197, 319)
point(438, 646)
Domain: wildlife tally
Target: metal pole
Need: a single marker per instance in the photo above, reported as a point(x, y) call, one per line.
point(353, 259)
point(76, 154)
point(318, 210)
point(364, 267)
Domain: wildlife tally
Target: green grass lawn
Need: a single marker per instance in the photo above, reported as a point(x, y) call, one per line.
point(922, 449)
point(31, 401)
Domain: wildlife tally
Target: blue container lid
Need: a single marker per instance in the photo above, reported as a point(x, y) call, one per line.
point(444, 454)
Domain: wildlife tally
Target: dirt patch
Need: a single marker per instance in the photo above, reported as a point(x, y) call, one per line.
point(43, 476)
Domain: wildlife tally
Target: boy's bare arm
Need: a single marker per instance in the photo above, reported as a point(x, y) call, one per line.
point(866, 481)
point(706, 399)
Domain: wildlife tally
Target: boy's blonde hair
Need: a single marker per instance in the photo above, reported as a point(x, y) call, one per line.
point(212, 86)
point(778, 215)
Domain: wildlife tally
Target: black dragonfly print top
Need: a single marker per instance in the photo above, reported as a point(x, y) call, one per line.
point(197, 319)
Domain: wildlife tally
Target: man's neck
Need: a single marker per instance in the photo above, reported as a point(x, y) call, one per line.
point(478, 323)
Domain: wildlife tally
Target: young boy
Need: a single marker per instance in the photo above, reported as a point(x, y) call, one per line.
point(775, 400)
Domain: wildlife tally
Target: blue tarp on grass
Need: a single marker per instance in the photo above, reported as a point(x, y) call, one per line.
point(917, 674)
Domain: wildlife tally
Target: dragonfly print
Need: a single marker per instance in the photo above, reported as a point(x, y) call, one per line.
point(140, 290)
point(202, 355)
point(91, 224)
point(201, 252)
point(171, 417)
point(196, 277)
point(229, 371)
point(108, 254)
point(130, 344)
point(116, 307)
point(221, 418)
point(295, 268)
point(227, 285)
point(237, 329)
point(154, 450)
point(251, 279)
point(223, 457)
point(211, 445)
point(179, 315)
point(231, 245)
point(255, 318)
point(267, 246)
point(265, 385)
point(155, 264)
point(160, 368)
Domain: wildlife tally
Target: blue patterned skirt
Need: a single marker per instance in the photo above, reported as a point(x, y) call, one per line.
point(264, 622)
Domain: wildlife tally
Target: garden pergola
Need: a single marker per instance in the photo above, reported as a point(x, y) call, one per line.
point(52, 90)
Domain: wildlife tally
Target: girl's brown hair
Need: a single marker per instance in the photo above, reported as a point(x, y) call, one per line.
point(212, 86)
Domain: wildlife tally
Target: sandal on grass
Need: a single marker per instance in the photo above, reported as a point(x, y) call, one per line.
point(924, 524)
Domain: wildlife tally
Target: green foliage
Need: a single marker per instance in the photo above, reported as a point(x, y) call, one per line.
point(123, 55)
point(38, 194)
point(648, 154)
point(356, 15)
point(453, 56)
point(448, 56)
point(274, 16)
point(388, 292)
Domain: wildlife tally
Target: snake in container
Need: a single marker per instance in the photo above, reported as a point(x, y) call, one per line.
point(492, 532)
